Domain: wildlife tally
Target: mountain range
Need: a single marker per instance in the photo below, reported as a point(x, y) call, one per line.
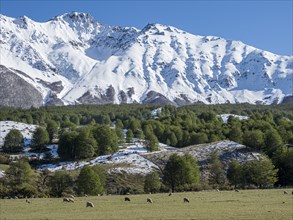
point(73, 59)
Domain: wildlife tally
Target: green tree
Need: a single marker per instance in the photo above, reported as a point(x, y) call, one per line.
point(40, 139)
point(152, 143)
point(191, 171)
point(254, 139)
point(151, 139)
point(120, 135)
point(59, 183)
point(52, 129)
point(173, 139)
point(85, 144)
point(236, 134)
point(261, 173)
point(88, 182)
point(139, 134)
point(209, 116)
point(26, 189)
point(66, 147)
point(217, 172)
point(4, 189)
point(272, 142)
point(152, 183)
point(13, 141)
point(180, 170)
point(134, 124)
point(106, 139)
point(148, 130)
point(67, 126)
point(18, 173)
point(198, 138)
point(74, 119)
point(129, 136)
point(234, 173)
point(119, 124)
point(101, 173)
point(285, 167)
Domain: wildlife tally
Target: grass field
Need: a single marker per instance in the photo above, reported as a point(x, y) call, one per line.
point(246, 204)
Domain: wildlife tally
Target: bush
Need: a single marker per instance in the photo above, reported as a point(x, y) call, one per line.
point(26, 190)
point(4, 190)
point(4, 158)
point(152, 183)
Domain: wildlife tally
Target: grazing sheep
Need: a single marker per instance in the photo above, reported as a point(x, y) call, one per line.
point(85, 195)
point(285, 192)
point(71, 196)
point(66, 200)
point(170, 194)
point(127, 199)
point(28, 201)
point(186, 200)
point(236, 190)
point(149, 200)
point(89, 204)
point(71, 200)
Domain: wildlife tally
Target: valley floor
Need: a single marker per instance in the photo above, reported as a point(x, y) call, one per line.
point(246, 204)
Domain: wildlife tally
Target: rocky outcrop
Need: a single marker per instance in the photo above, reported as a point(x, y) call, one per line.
point(156, 98)
point(53, 100)
point(227, 150)
point(54, 86)
point(122, 97)
point(97, 97)
point(288, 99)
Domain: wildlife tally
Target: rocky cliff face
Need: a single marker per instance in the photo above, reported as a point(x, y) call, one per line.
point(72, 59)
point(16, 92)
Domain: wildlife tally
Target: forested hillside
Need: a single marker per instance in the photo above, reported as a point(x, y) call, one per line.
point(83, 132)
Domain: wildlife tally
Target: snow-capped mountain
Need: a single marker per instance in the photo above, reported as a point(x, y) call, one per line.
point(72, 59)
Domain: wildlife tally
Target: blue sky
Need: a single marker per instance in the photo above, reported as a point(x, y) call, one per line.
point(263, 24)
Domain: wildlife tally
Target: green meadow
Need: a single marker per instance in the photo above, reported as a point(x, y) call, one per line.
point(246, 204)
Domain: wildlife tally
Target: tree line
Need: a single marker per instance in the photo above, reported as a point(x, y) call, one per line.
point(181, 173)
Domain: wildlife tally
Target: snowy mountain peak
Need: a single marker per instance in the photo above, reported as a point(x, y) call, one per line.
point(23, 22)
point(76, 17)
point(72, 59)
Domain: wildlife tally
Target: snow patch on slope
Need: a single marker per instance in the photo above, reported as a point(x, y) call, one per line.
point(25, 129)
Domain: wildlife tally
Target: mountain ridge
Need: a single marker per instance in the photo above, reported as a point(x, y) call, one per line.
point(97, 64)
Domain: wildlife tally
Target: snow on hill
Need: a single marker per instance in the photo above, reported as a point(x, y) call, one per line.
point(128, 160)
point(225, 117)
point(27, 132)
point(73, 59)
point(25, 129)
point(2, 173)
point(227, 150)
point(136, 160)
